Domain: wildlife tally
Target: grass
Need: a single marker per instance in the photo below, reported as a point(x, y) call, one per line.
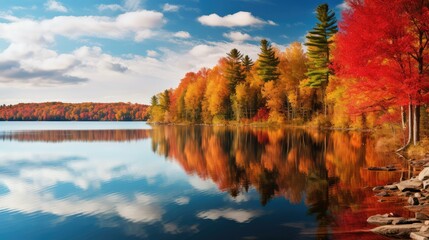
point(419, 150)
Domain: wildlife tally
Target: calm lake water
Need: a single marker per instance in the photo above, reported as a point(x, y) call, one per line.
point(110, 180)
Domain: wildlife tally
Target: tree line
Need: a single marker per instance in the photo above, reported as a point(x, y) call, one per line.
point(57, 111)
point(368, 71)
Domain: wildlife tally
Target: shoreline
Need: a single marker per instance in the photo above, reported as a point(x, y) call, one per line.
point(413, 193)
point(265, 124)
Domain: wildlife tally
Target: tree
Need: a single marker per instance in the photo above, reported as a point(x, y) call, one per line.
point(235, 71)
point(388, 59)
point(318, 42)
point(293, 69)
point(268, 63)
point(247, 63)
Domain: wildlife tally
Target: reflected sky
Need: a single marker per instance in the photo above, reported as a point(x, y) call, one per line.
point(180, 182)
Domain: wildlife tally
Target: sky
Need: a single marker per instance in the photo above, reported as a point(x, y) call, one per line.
point(130, 50)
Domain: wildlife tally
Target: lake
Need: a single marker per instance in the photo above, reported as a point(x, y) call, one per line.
point(128, 180)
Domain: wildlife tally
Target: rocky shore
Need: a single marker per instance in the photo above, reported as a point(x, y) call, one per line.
point(415, 194)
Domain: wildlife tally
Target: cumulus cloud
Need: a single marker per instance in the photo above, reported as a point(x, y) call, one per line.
point(239, 19)
point(237, 215)
point(45, 31)
point(170, 8)
point(182, 200)
point(56, 6)
point(152, 53)
point(237, 36)
point(182, 34)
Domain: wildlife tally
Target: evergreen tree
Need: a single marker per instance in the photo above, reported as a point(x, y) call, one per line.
point(154, 101)
point(319, 42)
point(235, 71)
point(164, 100)
point(268, 62)
point(247, 63)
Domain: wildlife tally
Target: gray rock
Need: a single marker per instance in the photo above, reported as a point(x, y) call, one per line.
point(413, 201)
point(424, 174)
point(391, 187)
point(387, 168)
point(382, 194)
point(377, 188)
point(411, 185)
point(385, 219)
point(406, 221)
point(422, 216)
point(425, 184)
point(397, 231)
point(424, 228)
point(419, 236)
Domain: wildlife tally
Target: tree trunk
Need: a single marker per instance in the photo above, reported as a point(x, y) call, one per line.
point(403, 118)
point(410, 127)
point(416, 129)
point(325, 104)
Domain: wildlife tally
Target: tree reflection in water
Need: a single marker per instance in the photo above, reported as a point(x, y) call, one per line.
point(326, 170)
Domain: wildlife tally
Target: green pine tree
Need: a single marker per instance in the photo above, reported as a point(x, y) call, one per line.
point(268, 62)
point(235, 71)
point(247, 63)
point(319, 43)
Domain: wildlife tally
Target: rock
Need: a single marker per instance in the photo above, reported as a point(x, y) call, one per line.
point(411, 185)
point(413, 201)
point(417, 195)
point(405, 194)
point(424, 228)
point(422, 216)
point(378, 188)
point(397, 231)
point(424, 174)
point(387, 168)
point(391, 187)
point(419, 236)
point(425, 184)
point(426, 222)
point(383, 219)
point(382, 194)
point(406, 221)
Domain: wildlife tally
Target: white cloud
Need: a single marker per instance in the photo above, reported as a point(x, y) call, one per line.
point(30, 68)
point(56, 6)
point(343, 6)
point(182, 200)
point(143, 35)
point(182, 34)
point(239, 19)
point(152, 53)
point(238, 215)
point(237, 36)
point(110, 7)
point(170, 8)
point(42, 32)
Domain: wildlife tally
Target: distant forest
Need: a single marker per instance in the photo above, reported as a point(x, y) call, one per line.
point(58, 111)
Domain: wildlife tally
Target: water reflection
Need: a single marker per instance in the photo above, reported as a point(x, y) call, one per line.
point(326, 169)
point(75, 135)
point(172, 182)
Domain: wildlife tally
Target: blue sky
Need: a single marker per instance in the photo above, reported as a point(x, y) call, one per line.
point(108, 51)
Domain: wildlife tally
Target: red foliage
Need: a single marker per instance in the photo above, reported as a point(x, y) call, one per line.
point(57, 111)
point(379, 46)
point(262, 114)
